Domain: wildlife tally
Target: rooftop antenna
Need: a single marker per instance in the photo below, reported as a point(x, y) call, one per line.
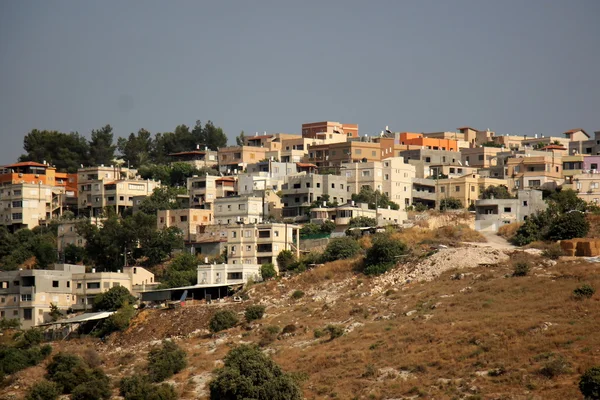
point(387, 129)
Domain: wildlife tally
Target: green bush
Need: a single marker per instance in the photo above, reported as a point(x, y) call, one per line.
point(254, 312)
point(250, 374)
point(31, 337)
point(113, 299)
point(97, 387)
point(222, 319)
point(334, 331)
point(119, 321)
point(584, 292)
point(13, 359)
point(43, 390)
point(384, 253)
point(521, 269)
point(568, 226)
point(285, 259)
point(165, 361)
point(450, 203)
point(589, 383)
point(318, 333)
point(267, 271)
point(13, 323)
point(554, 367)
point(67, 371)
point(341, 248)
point(298, 294)
point(140, 388)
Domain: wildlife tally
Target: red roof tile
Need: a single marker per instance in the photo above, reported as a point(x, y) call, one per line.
point(25, 164)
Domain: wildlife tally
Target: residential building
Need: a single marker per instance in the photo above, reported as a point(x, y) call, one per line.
point(198, 158)
point(480, 157)
point(586, 184)
point(87, 285)
point(272, 168)
point(205, 189)
point(342, 215)
point(28, 294)
point(111, 186)
point(242, 209)
point(187, 220)
point(582, 143)
point(300, 191)
point(572, 165)
point(418, 139)
point(536, 172)
point(466, 188)
point(208, 241)
point(539, 141)
point(67, 234)
point(365, 149)
point(272, 142)
point(392, 176)
point(235, 159)
point(490, 214)
point(258, 244)
point(228, 274)
point(328, 129)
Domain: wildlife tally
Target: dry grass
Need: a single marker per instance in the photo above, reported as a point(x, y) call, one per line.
point(594, 221)
point(509, 230)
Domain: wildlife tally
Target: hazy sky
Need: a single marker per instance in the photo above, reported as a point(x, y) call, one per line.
point(519, 67)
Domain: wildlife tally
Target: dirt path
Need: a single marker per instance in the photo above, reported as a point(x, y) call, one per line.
point(494, 241)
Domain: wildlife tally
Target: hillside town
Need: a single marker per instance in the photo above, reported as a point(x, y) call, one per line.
point(240, 206)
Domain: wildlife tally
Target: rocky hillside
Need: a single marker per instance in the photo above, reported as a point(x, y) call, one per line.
point(452, 324)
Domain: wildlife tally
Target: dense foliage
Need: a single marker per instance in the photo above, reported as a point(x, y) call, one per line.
point(374, 197)
point(285, 259)
point(496, 192)
point(43, 390)
point(113, 299)
point(267, 271)
point(221, 320)
point(254, 312)
point(450, 203)
point(72, 375)
point(384, 253)
point(140, 388)
point(38, 244)
point(250, 374)
point(315, 229)
point(589, 383)
point(165, 361)
point(340, 248)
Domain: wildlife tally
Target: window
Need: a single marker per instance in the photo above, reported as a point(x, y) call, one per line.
point(386, 177)
point(592, 166)
point(28, 314)
point(358, 151)
point(248, 248)
point(121, 198)
point(25, 297)
point(115, 284)
point(136, 186)
point(16, 283)
point(3, 300)
point(481, 157)
point(93, 285)
point(111, 198)
point(534, 183)
point(366, 173)
point(241, 207)
point(427, 159)
point(106, 285)
point(247, 233)
point(17, 216)
point(4, 285)
point(443, 189)
point(374, 153)
point(16, 313)
point(162, 220)
point(78, 285)
point(68, 284)
point(318, 185)
point(472, 188)
point(275, 233)
point(17, 204)
point(16, 192)
point(457, 189)
point(234, 234)
point(183, 218)
point(507, 209)
point(234, 275)
point(525, 203)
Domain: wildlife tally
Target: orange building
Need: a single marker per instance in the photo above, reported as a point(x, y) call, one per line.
point(417, 139)
point(327, 129)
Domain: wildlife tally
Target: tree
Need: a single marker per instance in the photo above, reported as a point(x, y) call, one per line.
point(113, 299)
point(285, 258)
point(267, 271)
point(341, 248)
point(136, 148)
point(361, 222)
point(450, 203)
point(55, 313)
point(73, 254)
point(102, 150)
point(589, 383)
point(181, 272)
point(180, 171)
point(566, 200)
point(250, 374)
point(64, 150)
point(568, 226)
point(162, 198)
point(254, 312)
point(165, 361)
point(67, 371)
point(496, 192)
point(384, 253)
point(140, 388)
point(372, 198)
point(239, 140)
point(43, 390)
point(209, 135)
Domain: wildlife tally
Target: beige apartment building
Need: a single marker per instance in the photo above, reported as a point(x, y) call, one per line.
point(86, 286)
point(391, 176)
point(67, 234)
point(258, 244)
point(342, 215)
point(187, 220)
point(480, 157)
point(376, 149)
point(197, 158)
point(112, 186)
point(240, 209)
point(301, 190)
point(26, 205)
point(539, 172)
point(205, 189)
point(235, 159)
point(26, 295)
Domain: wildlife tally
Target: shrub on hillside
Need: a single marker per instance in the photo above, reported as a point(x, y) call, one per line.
point(589, 383)
point(140, 388)
point(341, 248)
point(13, 359)
point(6, 324)
point(267, 271)
point(165, 361)
point(521, 269)
point(334, 331)
point(249, 373)
point(297, 294)
point(383, 254)
point(119, 321)
point(31, 337)
point(285, 259)
point(67, 371)
point(553, 251)
point(450, 203)
point(223, 319)
point(254, 312)
point(113, 299)
point(43, 390)
point(584, 292)
point(97, 387)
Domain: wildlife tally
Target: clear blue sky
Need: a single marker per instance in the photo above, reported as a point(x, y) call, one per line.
point(519, 67)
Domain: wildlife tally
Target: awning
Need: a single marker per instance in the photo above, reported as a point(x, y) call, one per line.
point(81, 318)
